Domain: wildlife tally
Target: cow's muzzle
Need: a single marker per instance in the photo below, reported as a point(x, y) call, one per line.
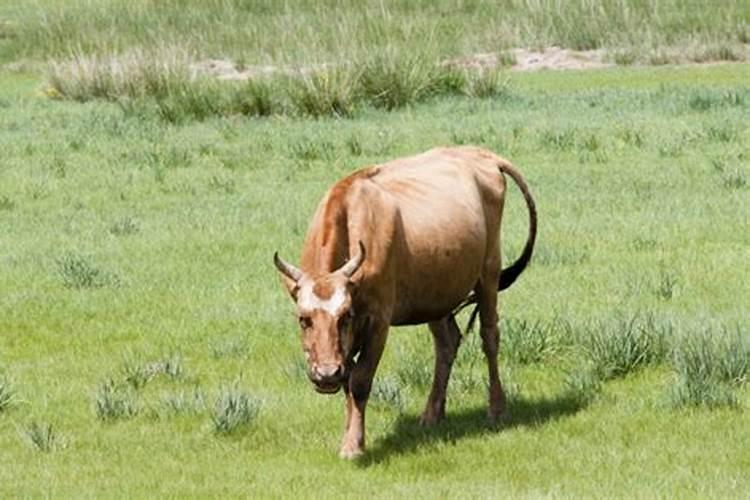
point(327, 379)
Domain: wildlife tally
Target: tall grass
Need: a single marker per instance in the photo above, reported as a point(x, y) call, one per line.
point(162, 82)
point(300, 32)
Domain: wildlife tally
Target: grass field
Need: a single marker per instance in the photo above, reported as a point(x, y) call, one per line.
point(147, 347)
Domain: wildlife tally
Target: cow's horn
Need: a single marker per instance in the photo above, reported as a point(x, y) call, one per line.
point(286, 269)
point(353, 264)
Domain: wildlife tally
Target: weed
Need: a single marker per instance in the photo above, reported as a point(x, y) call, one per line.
point(125, 226)
point(625, 57)
point(560, 255)
point(734, 179)
point(312, 149)
point(229, 347)
point(528, 342)
point(42, 437)
point(722, 133)
point(617, 348)
point(390, 81)
point(705, 363)
point(79, 272)
point(330, 91)
point(667, 284)
point(486, 83)
point(6, 203)
point(632, 137)
point(255, 97)
point(354, 144)
point(644, 244)
point(182, 403)
point(582, 386)
point(115, 402)
point(223, 184)
point(699, 390)
point(558, 140)
point(233, 410)
point(7, 394)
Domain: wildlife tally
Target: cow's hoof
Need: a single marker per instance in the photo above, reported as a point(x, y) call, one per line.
point(428, 419)
point(351, 452)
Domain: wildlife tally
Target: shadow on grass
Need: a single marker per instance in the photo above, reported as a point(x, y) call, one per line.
point(408, 435)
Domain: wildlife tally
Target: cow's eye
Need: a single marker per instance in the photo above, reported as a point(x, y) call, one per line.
point(344, 322)
point(305, 322)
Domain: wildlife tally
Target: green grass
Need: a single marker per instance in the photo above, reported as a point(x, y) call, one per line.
point(137, 287)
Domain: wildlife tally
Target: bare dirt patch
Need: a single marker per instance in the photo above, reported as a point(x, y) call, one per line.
point(551, 58)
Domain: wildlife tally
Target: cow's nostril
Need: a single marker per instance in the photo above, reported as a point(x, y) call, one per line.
point(328, 372)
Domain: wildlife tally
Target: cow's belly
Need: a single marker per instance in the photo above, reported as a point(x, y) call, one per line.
point(439, 263)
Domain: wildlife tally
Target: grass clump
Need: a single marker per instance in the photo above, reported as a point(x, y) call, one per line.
point(707, 364)
point(114, 401)
point(182, 403)
point(486, 83)
point(233, 410)
point(7, 394)
point(79, 272)
point(124, 226)
point(326, 92)
point(137, 373)
point(42, 437)
point(622, 346)
point(582, 386)
point(6, 203)
point(229, 347)
point(526, 342)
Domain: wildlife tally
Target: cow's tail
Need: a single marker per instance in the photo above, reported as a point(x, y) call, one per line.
point(513, 271)
point(509, 275)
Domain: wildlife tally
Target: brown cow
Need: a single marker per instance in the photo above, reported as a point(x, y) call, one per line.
point(403, 243)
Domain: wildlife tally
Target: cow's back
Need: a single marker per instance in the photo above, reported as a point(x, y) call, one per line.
point(449, 203)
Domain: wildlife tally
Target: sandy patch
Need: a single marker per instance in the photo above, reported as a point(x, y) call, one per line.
point(552, 58)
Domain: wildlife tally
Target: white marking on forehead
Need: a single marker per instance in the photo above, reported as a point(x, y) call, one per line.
point(309, 300)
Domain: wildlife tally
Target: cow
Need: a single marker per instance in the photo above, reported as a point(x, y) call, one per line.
point(402, 243)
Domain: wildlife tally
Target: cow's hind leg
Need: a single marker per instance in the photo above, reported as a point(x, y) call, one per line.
point(486, 291)
point(446, 337)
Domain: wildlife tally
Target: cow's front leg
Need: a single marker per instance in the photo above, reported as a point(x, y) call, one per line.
point(357, 392)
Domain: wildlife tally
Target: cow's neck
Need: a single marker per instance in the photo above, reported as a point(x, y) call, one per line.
point(334, 243)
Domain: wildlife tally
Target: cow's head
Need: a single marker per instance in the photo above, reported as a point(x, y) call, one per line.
point(325, 314)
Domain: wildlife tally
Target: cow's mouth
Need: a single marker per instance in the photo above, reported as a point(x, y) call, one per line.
point(327, 387)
